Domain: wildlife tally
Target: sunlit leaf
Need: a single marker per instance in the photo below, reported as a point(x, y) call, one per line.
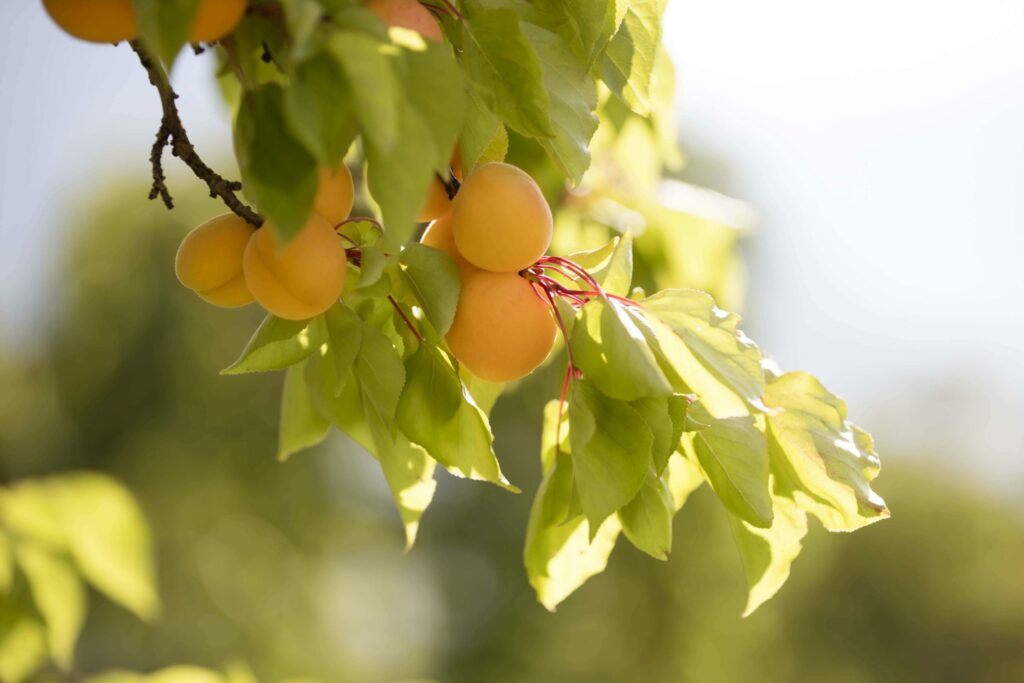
point(768, 553)
point(22, 642)
point(277, 344)
point(647, 519)
point(59, 596)
point(630, 56)
point(302, 426)
point(165, 24)
point(433, 278)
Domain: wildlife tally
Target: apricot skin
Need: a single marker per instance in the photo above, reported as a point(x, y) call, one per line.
point(439, 236)
point(216, 19)
point(408, 14)
point(437, 202)
point(209, 261)
point(97, 21)
point(500, 219)
point(502, 329)
point(335, 194)
point(301, 280)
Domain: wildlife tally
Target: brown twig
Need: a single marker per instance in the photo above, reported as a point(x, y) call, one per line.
point(172, 133)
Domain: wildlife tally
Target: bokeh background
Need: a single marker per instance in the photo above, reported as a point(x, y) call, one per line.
point(880, 150)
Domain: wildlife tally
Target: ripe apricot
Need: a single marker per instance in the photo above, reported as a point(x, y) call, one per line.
point(439, 236)
point(98, 21)
point(209, 261)
point(335, 194)
point(437, 202)
point(500, 219)
point(216, 19)
point(408, 14)
point(502, 328)
point(301, 280)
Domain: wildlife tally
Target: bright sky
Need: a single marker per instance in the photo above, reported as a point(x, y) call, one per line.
point(881, 143)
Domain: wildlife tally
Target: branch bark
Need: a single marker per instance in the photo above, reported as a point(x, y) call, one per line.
point(172, 134)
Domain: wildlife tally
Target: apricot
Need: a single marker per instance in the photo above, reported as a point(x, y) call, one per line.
point(335, 194)
point(98, 21)
point(439, 236)
point(437, 202)
point(408, 14)
point(209, 261)
point(502, 328)
point(500, 219)
point(216, 19)
point(300, 280)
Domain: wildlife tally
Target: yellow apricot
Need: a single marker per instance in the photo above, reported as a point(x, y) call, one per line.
point(335, 194)
point(216, 19)
point(408, 14)
point(500, 219)
point(98, 21)
point(502, 328)
point(301, 280)
point(439, 236)
point(437, 202)
point(209, 261)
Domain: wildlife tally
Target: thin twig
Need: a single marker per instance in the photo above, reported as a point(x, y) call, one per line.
point(172, 133)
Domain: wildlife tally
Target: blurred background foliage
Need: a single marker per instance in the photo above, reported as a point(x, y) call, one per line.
point(298, 571)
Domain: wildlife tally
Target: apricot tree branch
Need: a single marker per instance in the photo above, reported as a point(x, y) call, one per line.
point(172, 133)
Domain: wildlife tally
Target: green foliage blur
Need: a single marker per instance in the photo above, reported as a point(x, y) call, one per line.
point(297, 570)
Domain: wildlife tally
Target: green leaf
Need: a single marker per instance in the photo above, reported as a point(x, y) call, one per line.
point(437, 413)
point(433, 278)
point(611, 450)
point(319, 105)
point(819, 458)
point(594, 22)
point(109, 540)
point(702, 346)
point(173, 674)
point(559, 555)
point(6, 564)
point(302, 426)
point(683, 478)
point(647, 519)
point(344, 340)
point(655, 414)
point(373, 83)
point(279, 174)
point(29, 509)
point(573, 98)
point(381, 375)
point(164, 25)
point(768, 553)
point(410, 475)
point(59, 596)
point(482, 137)
point(277, 344)
point(613, 353)
point(733, 453)
point(505, 70)
point(630, 57)
point(22, 642)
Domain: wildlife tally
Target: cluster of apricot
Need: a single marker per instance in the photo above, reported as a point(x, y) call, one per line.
point(231, 263)
point(111, 21)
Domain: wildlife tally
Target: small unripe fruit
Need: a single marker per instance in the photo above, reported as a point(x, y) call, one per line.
point(439, 236)
point(408, 14)
point(502, 328)
point(216, 19)
point(301, 280)
point(335, 194)
point(98, 21)
point(209, 261)
point(500, 219)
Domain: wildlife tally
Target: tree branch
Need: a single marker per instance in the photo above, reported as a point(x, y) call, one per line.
point(172, 133)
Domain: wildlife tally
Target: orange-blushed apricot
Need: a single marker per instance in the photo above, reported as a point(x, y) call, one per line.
point(98, 21)
point(500, 219)
point(437, 202)
point(502, 328)
point(303, 278)
point(335, 194)
point(439, 236)
point(209, 261)
point(216, 19)
point(408, 14)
